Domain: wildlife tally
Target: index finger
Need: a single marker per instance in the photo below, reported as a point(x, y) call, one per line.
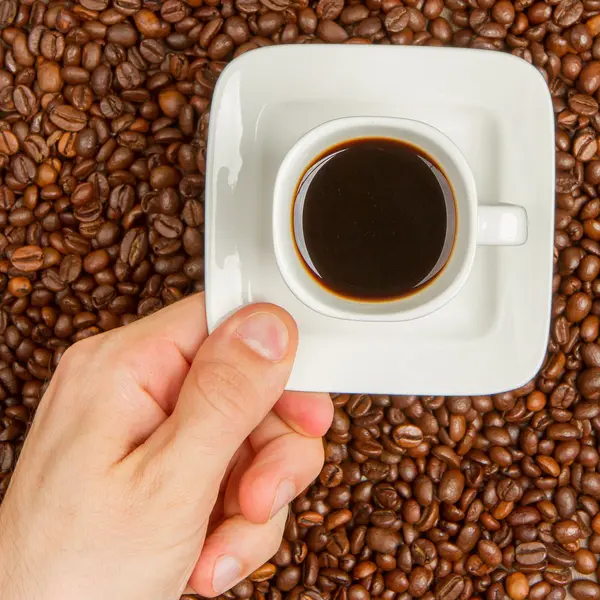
point(133, 375)
point(158, 349)
point(182, 324)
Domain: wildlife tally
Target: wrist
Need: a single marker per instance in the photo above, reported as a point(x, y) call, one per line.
point(18, 570)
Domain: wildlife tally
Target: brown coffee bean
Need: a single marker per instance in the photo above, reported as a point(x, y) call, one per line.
point(70, 268)
point(489, 552)
point(432, 9)
point(530, 553)
point(134, 247)
point(173, 11)
point(419, 581)
point(19, 287)
point(585, 147)
point(37, 149)
point(9, 143)
point(589, 78)
point(163, 177)
point(220, 47)
point(307, 20)
point(171, 102)
point(585, 562)
point(557, 576)
point(329, 9)
point(397, 19)
point(451, 486)
point(382, 540)
point(567, 12)
point(128, 76)
point(329, 31)
point(407, 436)
point(28, 259)
point(288, 578)
point(24, 101)
point(96, 261)
point(585, 590)
point(24, 171)
point(590, 483)
point(68, 118)
point(578, 307)
point(450, 587)
point(566, 531)
point(583, 104)
point(517, 586)
point(588, 384)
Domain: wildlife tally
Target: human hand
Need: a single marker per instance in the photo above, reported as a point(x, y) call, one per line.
point(161, 457)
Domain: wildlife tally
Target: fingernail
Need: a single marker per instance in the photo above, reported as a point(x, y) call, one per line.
point(286, 492)
point(228, 571)
point(266, 334)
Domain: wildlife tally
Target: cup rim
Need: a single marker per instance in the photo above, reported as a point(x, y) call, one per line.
point(338, 306)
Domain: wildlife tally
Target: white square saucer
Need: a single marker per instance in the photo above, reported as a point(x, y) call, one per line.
point(492, 336)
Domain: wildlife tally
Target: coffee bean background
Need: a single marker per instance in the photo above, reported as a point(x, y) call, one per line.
point(104, 108)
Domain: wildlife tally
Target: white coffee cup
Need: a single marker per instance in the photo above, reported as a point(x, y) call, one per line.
point(476, 224)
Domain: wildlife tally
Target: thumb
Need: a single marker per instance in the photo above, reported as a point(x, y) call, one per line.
point(236, 377)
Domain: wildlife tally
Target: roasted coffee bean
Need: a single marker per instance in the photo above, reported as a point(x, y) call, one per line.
point(585, 590)
point(70, 268)
point(557, 576)
point(517, 586)
point(585, 562)
point(19, 287)
point(451, 486)
point(566, 531)
point(489, 552)
point(96, 261)
point(383, 540)
point(450, 587)
point(559, 556)
point(407, 436)
point(583, 104)
point(28, 258)
point(68, 118)
point(24, 101)
point(530, 553)
point(288, 578)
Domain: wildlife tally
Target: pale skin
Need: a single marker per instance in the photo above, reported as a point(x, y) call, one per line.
point(161, 460)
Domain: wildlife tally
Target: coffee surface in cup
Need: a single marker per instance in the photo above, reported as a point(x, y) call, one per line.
point(374, 219)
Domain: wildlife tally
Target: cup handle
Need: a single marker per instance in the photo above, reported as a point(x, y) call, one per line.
point(501, 225)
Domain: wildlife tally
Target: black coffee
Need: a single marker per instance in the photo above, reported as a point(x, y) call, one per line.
point(374, 219)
